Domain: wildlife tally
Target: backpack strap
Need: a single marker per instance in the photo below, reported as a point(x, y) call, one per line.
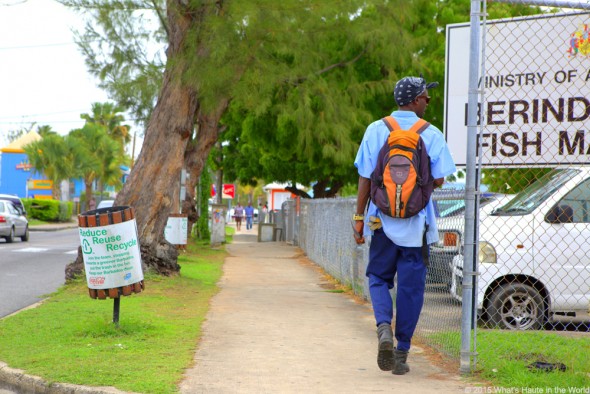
point(391, 123)
point(418, 127)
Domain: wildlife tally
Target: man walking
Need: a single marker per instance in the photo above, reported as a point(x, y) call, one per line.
point(249, 215)
point(397, 244)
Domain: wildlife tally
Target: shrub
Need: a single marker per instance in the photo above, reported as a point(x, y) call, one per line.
point(49, 210)
point(27, 202)
point(65, 211)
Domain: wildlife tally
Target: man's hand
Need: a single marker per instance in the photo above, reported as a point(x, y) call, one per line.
point(357, 227)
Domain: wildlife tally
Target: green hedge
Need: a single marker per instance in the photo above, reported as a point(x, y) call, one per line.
point(48, 210)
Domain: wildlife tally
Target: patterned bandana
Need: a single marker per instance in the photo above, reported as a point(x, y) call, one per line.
point(408, 88)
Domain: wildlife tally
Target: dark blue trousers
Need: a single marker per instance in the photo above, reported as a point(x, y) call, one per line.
point(387, 259)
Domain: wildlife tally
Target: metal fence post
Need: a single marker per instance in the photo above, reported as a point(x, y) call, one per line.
point(470, 186)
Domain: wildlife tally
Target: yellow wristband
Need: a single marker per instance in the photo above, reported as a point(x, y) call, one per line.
point(356, 216)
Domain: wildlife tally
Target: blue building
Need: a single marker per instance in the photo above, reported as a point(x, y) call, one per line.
point(16, 173)
point(18, 177)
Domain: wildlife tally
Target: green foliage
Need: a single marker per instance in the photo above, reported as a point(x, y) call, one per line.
point(90, 153)
point(307, 129)
point(349, 190)
point(108, 115)
point(304, 78)
point(203, 232)
point(511, 181)
point(65, 211)
point(48, 210)
point(27, 203)
point(52, 156)
point(124, 43)
point(100, 155)
point(45, 210)
point(309, 67)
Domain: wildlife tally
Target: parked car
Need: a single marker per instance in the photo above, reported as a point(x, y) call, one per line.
point(450, 208)
point(533, 254)
point(13, 223)
point(105, 204)
point(16, 201)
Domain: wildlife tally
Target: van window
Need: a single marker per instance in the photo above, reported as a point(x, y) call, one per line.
point(530, 198)
point(579, 200)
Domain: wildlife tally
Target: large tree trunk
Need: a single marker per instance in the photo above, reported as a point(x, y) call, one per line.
point(197, 152)
point(156, 174)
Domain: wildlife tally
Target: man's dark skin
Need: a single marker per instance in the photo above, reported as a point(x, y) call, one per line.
point(418, 106)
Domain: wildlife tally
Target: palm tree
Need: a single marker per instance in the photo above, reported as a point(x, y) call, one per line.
point(45, 130)
point(49, 157)
point(102, 156)
point(108, 115)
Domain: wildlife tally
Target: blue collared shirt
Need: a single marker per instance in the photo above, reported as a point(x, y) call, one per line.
point(405, 232)
point(249, 211)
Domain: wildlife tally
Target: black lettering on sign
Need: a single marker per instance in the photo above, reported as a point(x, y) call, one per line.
point(570, 146)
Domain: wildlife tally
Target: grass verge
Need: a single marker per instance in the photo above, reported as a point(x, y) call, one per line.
point(504, 358)
point(70, 338)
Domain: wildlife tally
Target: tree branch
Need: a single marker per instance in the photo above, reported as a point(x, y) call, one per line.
point(161, 17)
point(297, 192)
point(342, 64)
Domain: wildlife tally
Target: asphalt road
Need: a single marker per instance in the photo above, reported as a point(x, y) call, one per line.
point(31, 270)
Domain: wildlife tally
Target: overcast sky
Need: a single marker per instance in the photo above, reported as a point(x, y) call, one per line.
point(43, 77)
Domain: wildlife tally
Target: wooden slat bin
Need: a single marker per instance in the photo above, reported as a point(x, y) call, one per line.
point(110, 247)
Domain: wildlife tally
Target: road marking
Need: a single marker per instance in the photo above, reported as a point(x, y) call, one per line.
point(32, 250)
point(75, 251)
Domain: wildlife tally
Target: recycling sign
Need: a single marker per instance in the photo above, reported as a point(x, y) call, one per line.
point(111, 255)
point(176, 230)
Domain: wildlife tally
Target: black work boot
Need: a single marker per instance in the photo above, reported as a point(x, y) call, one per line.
point(400, 367)
point(385, 350)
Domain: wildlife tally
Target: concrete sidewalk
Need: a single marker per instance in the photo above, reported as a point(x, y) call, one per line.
point(275, 327)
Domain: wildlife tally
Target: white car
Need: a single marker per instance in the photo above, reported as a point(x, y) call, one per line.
point(13, 223)
point(105, 204)
point(450, 208)
point(16, 201)
point(533, 254)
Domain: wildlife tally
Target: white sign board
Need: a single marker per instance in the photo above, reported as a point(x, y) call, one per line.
point(111, 255)
point(176, 231)
point(537, 91)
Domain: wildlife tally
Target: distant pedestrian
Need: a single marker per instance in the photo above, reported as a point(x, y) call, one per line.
point(238, 215)
point(249, 216)
point(91, 204)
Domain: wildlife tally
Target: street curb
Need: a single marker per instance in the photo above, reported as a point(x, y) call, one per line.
point(52, 228)
point(16, 379)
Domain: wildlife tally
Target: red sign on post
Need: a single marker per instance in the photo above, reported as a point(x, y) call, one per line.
point(229, 191)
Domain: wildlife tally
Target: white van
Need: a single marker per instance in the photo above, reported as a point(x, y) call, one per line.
point(534, 260)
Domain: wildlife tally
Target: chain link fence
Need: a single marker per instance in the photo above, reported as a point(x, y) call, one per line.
point(325, 234)
point(532, 261)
